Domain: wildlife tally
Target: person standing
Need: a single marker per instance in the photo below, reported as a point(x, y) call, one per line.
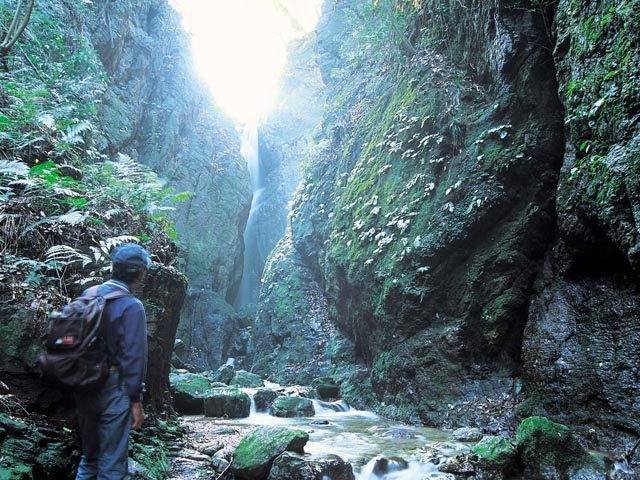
point(106, 415)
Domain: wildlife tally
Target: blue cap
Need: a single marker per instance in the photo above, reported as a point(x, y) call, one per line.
point(131, 256)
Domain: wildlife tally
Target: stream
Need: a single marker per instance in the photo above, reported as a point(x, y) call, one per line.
point(377, 448)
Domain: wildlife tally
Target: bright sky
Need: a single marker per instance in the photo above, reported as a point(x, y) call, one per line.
point(240, 48)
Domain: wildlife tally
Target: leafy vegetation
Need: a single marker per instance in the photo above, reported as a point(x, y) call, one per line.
point(64, 203)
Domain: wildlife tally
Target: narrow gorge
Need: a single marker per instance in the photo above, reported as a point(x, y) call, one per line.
point(440, 215)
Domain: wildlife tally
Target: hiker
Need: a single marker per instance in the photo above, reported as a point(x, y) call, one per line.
point(106, 415)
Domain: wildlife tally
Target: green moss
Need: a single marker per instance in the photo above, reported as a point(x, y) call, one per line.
point(497, 453)
point(191, 384)
point(545, 444)
point(263, 444)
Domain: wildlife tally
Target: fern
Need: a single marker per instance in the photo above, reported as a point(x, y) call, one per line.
point(104, 250)
point(13, 169)
point(66, 255)
point(72, 218)
point(73, 134)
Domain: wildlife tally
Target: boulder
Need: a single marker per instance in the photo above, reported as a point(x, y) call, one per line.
point(263, 398)
point(326, 388)
point(254, 455)
point(289, 407)
point(550, 450)
point(496, 455)
point(466, 434)
point(188, 391)
point(292, 465)
point(224, 374)
point(227, 403)
point(246, 379)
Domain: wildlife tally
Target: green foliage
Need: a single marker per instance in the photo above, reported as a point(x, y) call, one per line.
point(601, 95)
point(63, 206)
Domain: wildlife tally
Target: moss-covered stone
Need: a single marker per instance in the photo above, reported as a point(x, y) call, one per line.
point(326, 387)
point(255, 453)
point(546, 446)
point(227, 403)
point(496, 454)
point(191, 383)
point(242, 378)
point(292, 407)
point(188, 391)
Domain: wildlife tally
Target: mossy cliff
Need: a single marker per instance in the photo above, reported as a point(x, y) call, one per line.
point(178, 133)
point(442, 181)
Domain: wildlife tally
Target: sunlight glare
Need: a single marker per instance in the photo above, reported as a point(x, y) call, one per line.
point(240, 48)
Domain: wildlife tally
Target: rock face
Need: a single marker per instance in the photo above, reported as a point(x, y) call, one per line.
point(128, 78)
point(157, 111)
point(469, 213)
point(580, 354)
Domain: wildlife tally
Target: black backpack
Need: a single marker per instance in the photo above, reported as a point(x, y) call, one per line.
point(75, 351)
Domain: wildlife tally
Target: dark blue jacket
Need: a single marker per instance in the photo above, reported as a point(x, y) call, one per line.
point(126, 333)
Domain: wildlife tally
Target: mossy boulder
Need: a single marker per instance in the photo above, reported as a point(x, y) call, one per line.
point(550, 450)
point(224, 374)
point(246, 379)
point(188, 391)
point(254, 455)
point(289, 407)
point(496, 455)
point(227, 403)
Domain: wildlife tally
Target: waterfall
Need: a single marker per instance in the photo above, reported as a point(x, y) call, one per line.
point(253, 263)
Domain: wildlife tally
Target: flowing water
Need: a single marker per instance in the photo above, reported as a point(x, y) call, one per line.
point(378, 449)
point(253, 258)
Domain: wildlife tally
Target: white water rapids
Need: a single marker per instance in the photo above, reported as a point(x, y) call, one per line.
point(377, 448)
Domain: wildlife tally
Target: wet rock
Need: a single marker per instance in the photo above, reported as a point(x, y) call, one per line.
point(326, 388)
point(246, 379)
point(291, 465)
point(292, 407)
point(497, 455)
point(398, 434)
point(466, 434)
point(210, 448)
point(458, 465)
point(224, 374)
point(384, 465)
point(263, 399)
point(550, 450)
point(256, 452)
point(188, 391)
point(228, 403)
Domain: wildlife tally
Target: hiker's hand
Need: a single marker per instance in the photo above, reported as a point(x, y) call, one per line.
point(137, 415)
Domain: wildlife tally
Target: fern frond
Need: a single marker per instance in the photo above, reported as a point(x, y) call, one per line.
point(67, 192)
point(126, 168)
point(73, 133)
point(13, 168)
point(67, 255)
point(47, 120)
point(72, 218)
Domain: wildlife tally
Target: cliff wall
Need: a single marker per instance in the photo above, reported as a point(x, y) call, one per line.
point(470, 214)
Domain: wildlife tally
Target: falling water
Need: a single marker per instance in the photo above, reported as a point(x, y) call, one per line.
point(252, 265)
